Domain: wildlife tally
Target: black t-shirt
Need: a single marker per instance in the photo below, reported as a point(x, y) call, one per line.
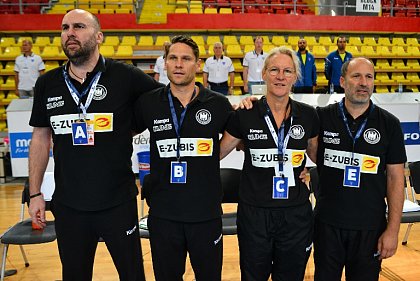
point(99, 176)
point(199, 199)
point(381, 142)
point(260, 149)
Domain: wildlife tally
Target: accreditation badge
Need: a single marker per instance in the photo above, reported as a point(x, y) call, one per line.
point(79, 133)
point(91, 132)
point(351, 176)
point(280, 187)
point(82, 132)
point(178, 172)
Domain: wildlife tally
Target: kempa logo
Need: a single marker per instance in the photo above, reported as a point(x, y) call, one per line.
point(100, 92)
point(203, 116)
point(372, 136)
point(297, 132)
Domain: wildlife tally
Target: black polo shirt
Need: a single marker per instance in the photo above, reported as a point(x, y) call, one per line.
point(99, 176)
point(257, 182)
point(381, 143)
point(199, 199)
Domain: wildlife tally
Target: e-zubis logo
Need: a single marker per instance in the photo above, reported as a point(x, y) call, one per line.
point(19, 144)
point(411, 131)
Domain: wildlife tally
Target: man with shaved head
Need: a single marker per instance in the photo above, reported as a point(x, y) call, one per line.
point(86, 107)
point(306, 83)
point(334, 62)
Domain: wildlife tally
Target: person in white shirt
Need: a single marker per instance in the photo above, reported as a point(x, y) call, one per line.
point(217, 69)
point(159, 69)
point(253, 64)
point(28, 67)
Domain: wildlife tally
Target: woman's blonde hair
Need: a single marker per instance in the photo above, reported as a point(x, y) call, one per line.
point(286, 51)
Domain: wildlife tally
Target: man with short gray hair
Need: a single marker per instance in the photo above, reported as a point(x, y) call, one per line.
point(216, 71)
point(28, 67)
point(253, 65)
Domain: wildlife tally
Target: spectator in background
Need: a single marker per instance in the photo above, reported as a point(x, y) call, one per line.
point(253, 64)
point(333, 63)
point(307, 83)
point(28, 67)
point(360, 162)
point(217, 69)
point(159, 69)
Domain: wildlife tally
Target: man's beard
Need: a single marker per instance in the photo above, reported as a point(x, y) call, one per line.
point(82, 55)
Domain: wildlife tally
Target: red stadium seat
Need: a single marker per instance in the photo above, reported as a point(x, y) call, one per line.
point(223, 3)
point(33, 9)
point(308, 12)
point(280, 10)
point(399, 3)
point(400, 13)
point(236, 5)
point(412, 8)
point(265, 9)
point(252, 10)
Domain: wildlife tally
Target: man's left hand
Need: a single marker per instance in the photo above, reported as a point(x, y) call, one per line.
point(387, 244)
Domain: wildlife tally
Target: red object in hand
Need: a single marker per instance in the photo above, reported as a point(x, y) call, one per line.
point(36, 227)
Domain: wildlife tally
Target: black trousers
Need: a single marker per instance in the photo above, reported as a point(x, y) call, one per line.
point(275, 241)
point(336, 248)
point(222, 88)
point(78, 233)
point(170, 241)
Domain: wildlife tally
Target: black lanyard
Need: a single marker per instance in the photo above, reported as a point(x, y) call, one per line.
point(279, 138)
point(175, 120)
point(346, 123)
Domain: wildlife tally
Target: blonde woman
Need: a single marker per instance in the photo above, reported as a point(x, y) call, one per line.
point(275, 222)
